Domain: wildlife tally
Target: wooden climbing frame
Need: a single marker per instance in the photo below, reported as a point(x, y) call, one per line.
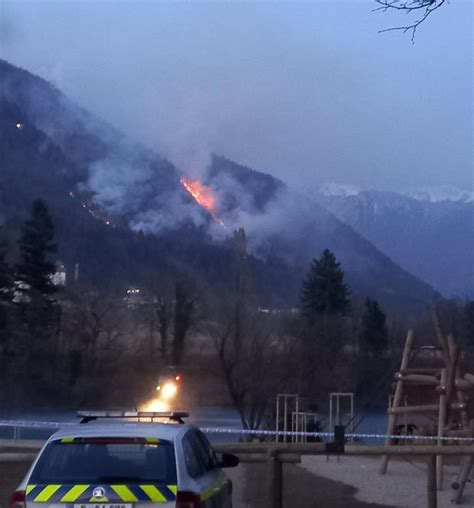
point(438, 389)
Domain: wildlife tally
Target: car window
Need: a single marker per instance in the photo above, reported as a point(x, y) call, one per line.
point(205, 451)
point(106, 460)
point(194, 466)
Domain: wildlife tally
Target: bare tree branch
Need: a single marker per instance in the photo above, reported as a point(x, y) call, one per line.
point(427, 6)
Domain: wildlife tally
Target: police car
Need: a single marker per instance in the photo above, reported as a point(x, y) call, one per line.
point(128, 461)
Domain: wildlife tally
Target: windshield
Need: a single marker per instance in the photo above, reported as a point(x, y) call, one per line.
point(106, 460)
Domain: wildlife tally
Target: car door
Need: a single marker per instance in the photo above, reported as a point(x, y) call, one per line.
point(220, 491)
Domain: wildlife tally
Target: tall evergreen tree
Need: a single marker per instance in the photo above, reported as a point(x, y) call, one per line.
point(469, 322)
point(5, 277)
point(36, 246)
point(324, 292)
point(373, 335)
point(240, 276)
point(6, 295)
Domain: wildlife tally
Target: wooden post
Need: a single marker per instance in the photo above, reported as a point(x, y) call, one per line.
point(297, 416)
point(431, 477)
point(277, 438)
point(459, 486)
point(441, 427)
point(426, 408)
point(453, 365)
point(330, 409)
point(466, 466)
point(275, 480)
point(441, 338)
point(392, 419)
point(458, 383)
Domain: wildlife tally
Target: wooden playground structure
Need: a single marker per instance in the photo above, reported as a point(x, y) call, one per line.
point(433, 392)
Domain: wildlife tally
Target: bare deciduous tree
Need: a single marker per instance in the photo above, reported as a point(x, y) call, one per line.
point(421, 8)
point(184, 307)
point(163, 311)
point(255, 371)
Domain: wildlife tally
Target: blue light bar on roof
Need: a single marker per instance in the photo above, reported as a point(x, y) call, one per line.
point(88, 416)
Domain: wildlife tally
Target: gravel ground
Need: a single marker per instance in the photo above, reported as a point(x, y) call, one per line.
point(301, 489)
point(353, 482)
point(403, 486)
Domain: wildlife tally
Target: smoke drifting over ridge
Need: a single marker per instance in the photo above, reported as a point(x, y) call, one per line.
point(124, 178)
point(309, 91)
point(298, 90)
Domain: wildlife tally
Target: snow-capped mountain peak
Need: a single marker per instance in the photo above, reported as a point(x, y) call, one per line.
point(442, 193)
point(338, 189)
point(424, 194)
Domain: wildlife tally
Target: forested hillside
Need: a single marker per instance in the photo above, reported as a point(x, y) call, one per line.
point(434, 240)
point(123, 216)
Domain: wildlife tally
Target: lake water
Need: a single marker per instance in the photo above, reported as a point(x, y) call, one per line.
point(372, 422)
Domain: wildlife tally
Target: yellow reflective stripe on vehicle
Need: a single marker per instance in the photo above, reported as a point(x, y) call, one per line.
point(152, 440)
point(74, 493)
point(173, 488)
point(153, 493)
point(29, 488)
point(207, 494)
point(124, 493)
point(67, 440)
point(47, 493)
point(211, 491)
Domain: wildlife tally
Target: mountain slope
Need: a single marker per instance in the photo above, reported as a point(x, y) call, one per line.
point(124, 216)
point(299, 229)
point(432, 239)
point(108, 252)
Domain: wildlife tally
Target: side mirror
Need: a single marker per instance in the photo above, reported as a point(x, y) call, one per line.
point(228, 460)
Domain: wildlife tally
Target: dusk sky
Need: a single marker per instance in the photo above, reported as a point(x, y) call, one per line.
point(307, 91)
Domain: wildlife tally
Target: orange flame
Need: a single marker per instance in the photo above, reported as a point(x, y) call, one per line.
point(203, 196)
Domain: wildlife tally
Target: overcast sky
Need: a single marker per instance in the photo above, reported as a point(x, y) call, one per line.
point(307, 91)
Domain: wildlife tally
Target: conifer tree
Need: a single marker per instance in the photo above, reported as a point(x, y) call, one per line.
point(373, 334)
point(5, 278)
point(469, 322)
point(34, 291)
point(6, 293)
point(36, 246)
point(324, 292)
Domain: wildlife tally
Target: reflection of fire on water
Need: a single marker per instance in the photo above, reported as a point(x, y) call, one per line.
point(203, 196)
point(156, 404)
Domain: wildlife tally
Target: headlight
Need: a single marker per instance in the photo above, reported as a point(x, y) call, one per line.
point(168, 390)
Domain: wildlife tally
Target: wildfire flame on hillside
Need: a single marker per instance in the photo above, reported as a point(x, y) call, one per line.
point(203, 196)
